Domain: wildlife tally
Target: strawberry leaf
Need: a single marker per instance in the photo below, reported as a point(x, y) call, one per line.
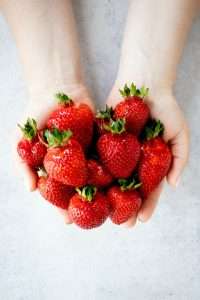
point(56, 138)
point(29, 129)
point(129, 184)
point(87, 192)
point(105, 114)
point(134, 91)
point(125, 92)
point(116, 127)
point(154, 129)
point(63, 99)
point(144, 92)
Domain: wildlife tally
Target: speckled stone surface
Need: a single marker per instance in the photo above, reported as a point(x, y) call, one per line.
point(40, 257)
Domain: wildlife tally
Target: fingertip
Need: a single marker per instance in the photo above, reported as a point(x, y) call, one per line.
point(174, 175)
point(180, 153)
point(149, 204)
point(29, 178)
point(25, 172)
point(173, 181)
point(130, 223)
point(65, 215)
point(143, 218)
point(68, 221)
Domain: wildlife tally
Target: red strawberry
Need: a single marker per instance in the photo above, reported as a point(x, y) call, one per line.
point(88, 208)
point(125, 201)
point(53, 191)
point(155, 160)
point(29, 148)
point(103, 118)
point(133, 108)
point(119, 151)
point(66, 164)
point(79, 119)
point(98, 174)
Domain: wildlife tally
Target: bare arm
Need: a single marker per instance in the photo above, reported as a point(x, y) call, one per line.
point(153, 41)
point(46, 38)
point(47, 42)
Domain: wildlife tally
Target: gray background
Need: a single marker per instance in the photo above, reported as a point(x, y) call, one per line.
point(40, 257)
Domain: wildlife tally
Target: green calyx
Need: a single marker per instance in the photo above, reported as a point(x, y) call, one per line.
point(129, 184)
point(29, 129)
point(134, 91)
point(154, 129)
point(105, 114)
point(41, 172)
point(63, 99)
point(87, 192)
point(116, 127)
point(56, 138)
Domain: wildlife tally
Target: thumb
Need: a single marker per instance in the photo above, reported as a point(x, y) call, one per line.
point(180, 152)
point(22, 169)
point(27, 174)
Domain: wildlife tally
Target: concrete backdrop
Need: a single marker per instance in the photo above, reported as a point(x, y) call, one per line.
point(40, 257)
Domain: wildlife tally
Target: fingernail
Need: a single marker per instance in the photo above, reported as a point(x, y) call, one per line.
point(139, 218)
point(142, 218)
point(177, 182)
point(68, 221)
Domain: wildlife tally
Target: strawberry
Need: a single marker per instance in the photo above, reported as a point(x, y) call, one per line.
point(65, 160)
point(53, 191)
point(133, 108)
point(155, 160)
point(88, 208)
point(103, 118)
point(119, 151)
point(124, 200)
point(79, 119)
point(29, 148)
point(98, 175)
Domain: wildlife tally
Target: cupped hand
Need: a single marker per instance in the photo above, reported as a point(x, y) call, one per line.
point(164, 107)
point(39, 108)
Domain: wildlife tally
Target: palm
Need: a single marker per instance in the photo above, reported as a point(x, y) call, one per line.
point(164, 107)
point(40, 112)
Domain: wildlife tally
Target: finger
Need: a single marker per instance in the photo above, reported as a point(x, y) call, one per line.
point(23, 170)
point(180, 152)
point(130, 223)
point(65, 214)
point(149, 204)
point(28, 176)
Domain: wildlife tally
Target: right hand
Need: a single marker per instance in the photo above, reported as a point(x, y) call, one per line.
point(39, 108)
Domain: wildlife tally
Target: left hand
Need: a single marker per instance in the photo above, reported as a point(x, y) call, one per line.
point(164, 107)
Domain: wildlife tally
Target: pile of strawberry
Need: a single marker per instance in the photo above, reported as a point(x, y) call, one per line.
point(97, 166)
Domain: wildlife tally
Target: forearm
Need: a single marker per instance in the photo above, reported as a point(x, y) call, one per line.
point(154, 37)
point(47, 42)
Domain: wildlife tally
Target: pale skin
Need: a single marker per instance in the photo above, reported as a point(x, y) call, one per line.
point(153, 41)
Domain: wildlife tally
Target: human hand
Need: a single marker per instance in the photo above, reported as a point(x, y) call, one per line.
point(153, 40)
point(39, 108)
point(164, 107)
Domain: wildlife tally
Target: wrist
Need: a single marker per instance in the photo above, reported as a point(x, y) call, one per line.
point(146, 72)
point(74, 89)
point(157, 93)
point(42, 101)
